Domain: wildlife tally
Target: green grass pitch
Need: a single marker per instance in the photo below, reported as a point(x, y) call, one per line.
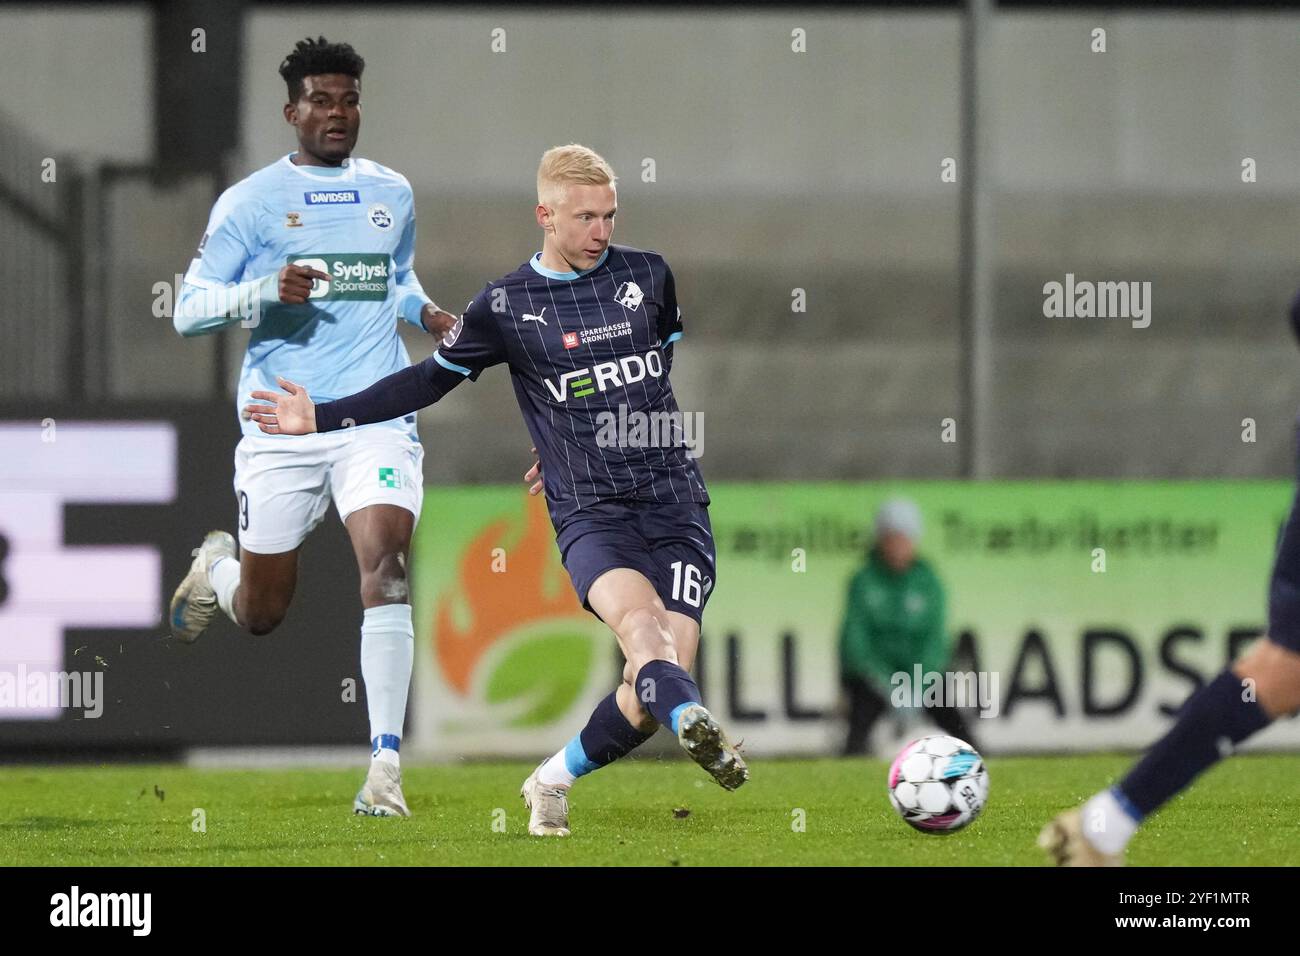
point(1244, 812)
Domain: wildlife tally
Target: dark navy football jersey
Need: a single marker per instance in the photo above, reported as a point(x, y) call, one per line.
point(589, 355)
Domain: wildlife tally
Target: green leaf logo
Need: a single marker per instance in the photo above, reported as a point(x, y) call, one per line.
point(550, 668)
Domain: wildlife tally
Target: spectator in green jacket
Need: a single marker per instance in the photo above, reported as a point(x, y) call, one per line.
point(894, 619)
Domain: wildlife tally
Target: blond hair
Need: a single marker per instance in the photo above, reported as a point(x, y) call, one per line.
point(563, 165)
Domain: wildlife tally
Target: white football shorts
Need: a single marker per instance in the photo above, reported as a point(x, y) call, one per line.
point(284, 484)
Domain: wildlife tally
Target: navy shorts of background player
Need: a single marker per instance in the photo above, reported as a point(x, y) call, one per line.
point(1284, 586)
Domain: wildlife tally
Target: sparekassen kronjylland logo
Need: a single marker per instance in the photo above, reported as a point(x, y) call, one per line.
point(588, 336)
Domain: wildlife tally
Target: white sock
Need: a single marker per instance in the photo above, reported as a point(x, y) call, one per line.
point(387, 649)
point(224, 577)
point(1106, 825)
point(384, 755)
point(555, 772)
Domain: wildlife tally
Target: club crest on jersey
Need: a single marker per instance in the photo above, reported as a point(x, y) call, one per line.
point(292, 220)
point(629, 296)
point(326, 197)
point(379, 217)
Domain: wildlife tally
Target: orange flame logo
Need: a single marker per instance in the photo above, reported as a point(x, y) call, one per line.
point(497, 602)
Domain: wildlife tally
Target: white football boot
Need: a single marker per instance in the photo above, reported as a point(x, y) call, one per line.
point(702, 738)
point(1065, 843)
point(548, 806)
point(194, 603)
point(381, 794)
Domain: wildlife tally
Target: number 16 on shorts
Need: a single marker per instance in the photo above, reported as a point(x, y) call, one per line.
point(688, 587)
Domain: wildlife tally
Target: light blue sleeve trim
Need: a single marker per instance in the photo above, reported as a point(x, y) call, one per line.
point(673, 338)
point(450, 366)
point(411, 306)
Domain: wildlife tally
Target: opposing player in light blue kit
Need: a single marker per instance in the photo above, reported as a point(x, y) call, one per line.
point(314, 254)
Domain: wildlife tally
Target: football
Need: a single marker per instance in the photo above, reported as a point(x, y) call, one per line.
point(938, 784)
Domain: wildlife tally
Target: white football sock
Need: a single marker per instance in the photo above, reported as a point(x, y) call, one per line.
point(1106, 825)
point(555, 772)
point(224, 577)
point(387, 649)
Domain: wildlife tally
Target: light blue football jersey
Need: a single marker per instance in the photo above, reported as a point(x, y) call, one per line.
point(356, 223)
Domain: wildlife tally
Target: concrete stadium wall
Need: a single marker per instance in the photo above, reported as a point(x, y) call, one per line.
point(778, 171)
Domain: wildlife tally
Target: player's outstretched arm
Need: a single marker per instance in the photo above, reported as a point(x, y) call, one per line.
point(391, 397)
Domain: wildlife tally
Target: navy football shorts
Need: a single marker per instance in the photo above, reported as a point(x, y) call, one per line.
point(670, 543)
point(1284, 588)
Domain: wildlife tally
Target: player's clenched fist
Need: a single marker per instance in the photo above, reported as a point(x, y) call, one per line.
point(296, 283)
point(291, 414)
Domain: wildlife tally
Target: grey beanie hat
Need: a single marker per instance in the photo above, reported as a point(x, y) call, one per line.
point(899, 514)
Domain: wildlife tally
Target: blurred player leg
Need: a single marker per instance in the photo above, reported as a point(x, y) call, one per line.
point(1261, 686)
